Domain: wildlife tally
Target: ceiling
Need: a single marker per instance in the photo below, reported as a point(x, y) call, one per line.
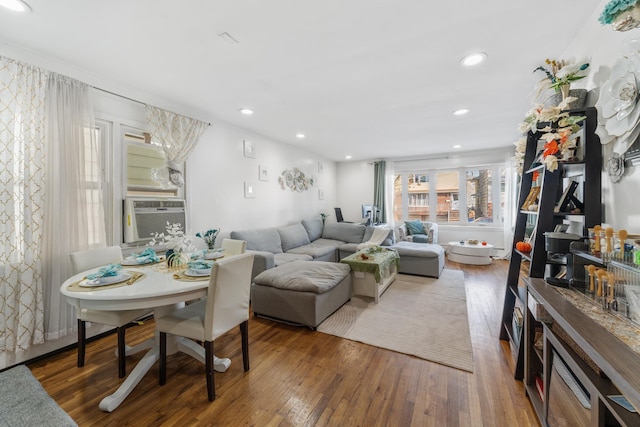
point(366, 78)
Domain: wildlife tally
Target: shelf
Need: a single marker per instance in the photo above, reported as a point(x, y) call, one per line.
point(536, 401)
point(552, 187)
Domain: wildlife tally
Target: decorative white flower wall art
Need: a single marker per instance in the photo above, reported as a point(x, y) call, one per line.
point(618, 107)
point(295, 180)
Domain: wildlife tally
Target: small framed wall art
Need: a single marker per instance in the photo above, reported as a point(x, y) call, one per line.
point(249, 150)
point(320, 194)
point(263, 173)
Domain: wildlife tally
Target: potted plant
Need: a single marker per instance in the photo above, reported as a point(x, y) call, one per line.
point(559, 76)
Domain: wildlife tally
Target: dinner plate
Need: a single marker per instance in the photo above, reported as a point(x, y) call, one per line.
point(107, 280)
point(197, 273)
point(213, 255)
point(133, 261)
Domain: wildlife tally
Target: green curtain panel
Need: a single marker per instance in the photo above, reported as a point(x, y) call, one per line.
point(378, 189)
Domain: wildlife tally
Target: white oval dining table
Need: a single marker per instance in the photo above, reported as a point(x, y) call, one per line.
point(157, 290)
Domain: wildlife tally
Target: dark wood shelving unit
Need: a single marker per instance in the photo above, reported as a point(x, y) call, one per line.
point(544, 219)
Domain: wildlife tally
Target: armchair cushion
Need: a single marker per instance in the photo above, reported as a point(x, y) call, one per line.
point(415, 227)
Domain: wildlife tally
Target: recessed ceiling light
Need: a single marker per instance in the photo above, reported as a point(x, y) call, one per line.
point(15, 5)
point(461, 112)
point(300, 135)
point(457, 146)
point(473, 59)
point(245, 111)
point(348, 156)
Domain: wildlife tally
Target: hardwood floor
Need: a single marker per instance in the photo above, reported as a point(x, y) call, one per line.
point(299, 377)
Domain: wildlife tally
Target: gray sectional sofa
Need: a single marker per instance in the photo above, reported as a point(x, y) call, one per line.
point(297, 278)
point(308, 240)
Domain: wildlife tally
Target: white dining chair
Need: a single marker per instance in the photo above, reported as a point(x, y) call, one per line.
point(226, 306)
point(233, 247)
point(86, 260)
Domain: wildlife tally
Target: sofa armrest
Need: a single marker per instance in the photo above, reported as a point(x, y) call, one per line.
point(261, 261)
point(433, 232)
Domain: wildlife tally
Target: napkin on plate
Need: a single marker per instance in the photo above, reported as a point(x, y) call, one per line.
point(146, 256)
point(200, 264)
point(106, 271)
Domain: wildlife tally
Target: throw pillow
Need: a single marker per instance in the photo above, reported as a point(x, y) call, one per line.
point(415, 227)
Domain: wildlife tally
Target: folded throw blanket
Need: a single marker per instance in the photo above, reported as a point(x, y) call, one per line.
point(379, 235)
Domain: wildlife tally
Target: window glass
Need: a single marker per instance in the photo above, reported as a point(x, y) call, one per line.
point(418, 196)
point(458, 196)
point(448, 188)
point(479, 196)
point(96, 182)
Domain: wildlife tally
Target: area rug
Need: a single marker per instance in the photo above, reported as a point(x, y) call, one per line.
point(23, 401)
point(420, 316)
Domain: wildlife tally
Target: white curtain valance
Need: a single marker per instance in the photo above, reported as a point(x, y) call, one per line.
point(177, 135)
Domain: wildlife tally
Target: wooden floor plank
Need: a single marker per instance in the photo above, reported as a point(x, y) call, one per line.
point(302, 377)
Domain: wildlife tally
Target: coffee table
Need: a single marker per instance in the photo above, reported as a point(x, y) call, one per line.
point(373, 275)
point(466, 253)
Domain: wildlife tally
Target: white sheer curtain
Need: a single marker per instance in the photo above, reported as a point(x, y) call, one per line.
point(75, 215)
point(511, 198)
point(178, 135)
point(22, 203)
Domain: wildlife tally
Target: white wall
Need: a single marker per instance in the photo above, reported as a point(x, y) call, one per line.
point(601, 47)
point(218, 169)
point(355, 189)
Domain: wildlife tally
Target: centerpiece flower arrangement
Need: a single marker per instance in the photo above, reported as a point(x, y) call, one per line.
point(557, 127)
point(559, 76)
point(209, 237)
point(178, 244)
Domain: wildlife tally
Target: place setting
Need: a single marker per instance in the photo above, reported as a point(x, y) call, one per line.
point(146, 257)
point(199, 269)
point(107, 277)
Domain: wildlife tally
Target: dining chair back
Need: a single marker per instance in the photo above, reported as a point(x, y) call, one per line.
point(226, 306)
point(86, 260)
point(233, 247)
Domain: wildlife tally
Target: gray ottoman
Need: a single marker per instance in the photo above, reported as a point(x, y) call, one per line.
point(423, 259)
point(301, 292)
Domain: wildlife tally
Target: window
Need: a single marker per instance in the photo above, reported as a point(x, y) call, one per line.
point(479, 196)
point(97, 181)
point(458, 196)
point(448, 187)
point(142, 157)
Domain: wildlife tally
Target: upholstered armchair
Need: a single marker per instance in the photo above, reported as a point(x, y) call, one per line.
point(417, 231)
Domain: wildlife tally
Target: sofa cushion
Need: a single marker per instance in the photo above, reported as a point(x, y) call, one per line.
point(350, 233)
point(415, 227)
point(293, 236)
point(314, 228)
point(266, 239)
point(316, 249)
point(283, 258)
point(418, 250)
point(304, 276)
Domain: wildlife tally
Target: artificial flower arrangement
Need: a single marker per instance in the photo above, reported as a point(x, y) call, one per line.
point(557, 128)
point(559, 76)
point(175, 239)
point(623, 15)
point(209, 237)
